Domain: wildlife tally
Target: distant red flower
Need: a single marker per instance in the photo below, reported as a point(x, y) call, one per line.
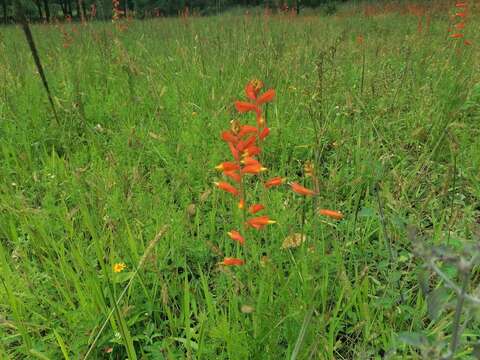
point(255, 208)
point(460, 26)
point(456, 36)
point(229, 261)
point(467, 42)
point(331, 213)
point(462, 14)
point(299, 189)
point(276, 181)
point(236, 236)
point(259, 222)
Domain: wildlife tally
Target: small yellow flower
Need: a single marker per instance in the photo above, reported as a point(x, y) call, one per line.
point(119, 267)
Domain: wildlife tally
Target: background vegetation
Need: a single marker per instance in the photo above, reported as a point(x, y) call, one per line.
point(47, 9)
point(389, 114)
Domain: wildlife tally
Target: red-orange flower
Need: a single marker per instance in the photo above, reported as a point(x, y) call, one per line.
point(241, 204)
point(460, 26)
point(331, 213)
point(234, 175)
point(299, 189)
point(253, 169)
point(255, 208)
point(227, 187)
point(253, 88)
point(227, 166)
point(228, 136)
point(234, 151)
point(247, 129)
point(276, 181)
point(259, 222)
point(229, 261)
point(456, 36)
point(252, 93)
point(264, 133)
point(243, 107)
point(467, 42)
point(250, 161)
point(252, 151)
point(267, 96)
point(236, 236)
point(462, 14)
point(242, 145)
point(461, 4)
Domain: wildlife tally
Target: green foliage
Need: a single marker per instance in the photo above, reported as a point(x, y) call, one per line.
point(140, 113)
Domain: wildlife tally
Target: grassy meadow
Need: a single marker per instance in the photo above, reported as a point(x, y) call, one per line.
point(387, 114)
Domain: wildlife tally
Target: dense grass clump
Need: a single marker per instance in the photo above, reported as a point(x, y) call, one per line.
point(387, 113)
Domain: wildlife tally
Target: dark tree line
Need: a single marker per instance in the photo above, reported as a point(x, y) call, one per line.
point(46, 10)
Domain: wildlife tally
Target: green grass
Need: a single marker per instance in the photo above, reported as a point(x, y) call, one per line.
point(141, 112)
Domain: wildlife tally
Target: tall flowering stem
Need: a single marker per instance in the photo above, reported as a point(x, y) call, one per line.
point(460, 17)
point(245, 145)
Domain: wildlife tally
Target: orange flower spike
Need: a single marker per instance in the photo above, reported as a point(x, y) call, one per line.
point(264, 133)
point(259, 222)
point(331, 213)
point(460, 26)
point(467, 42)
point(299, 189)
point(227, 166)
point(456, 36)
point(229, 261)
point(234, 175)
point(253, 169)
point(461, 15)
point(236, 236)
point(255, 208)
point(266, 97)
point(461, 5)
point(276, 181)
point(227, 187)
